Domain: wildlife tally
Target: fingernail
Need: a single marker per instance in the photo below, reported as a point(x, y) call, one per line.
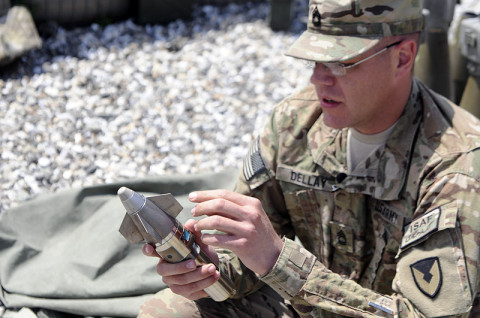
point(147, 249)
point(193, 211)
point(192, 196)
point(191, 264)
point(212, 269)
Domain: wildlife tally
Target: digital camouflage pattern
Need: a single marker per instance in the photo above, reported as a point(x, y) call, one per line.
point(399, 236)
point(339, 30)
point(18, 34)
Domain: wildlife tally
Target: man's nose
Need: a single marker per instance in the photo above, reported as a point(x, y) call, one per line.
point(322, 75)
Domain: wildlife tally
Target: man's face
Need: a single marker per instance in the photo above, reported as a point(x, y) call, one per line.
point(360, 99)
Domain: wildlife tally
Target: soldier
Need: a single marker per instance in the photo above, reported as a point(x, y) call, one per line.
point(376, 175)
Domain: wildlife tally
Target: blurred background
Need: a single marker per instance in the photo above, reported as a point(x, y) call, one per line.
point(96, 91)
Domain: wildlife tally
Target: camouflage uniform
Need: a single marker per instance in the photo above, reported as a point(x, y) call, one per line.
point(400, 238)
point(264, 303)
point(397, 237)
point(339, 30)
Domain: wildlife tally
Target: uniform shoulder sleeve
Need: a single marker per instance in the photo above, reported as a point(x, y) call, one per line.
point(289, 120)
point(437, 271)
point(440, 249)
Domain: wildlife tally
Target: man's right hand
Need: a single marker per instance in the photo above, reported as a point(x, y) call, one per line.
point(185, 278)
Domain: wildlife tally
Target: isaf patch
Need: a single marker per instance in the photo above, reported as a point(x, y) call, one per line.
point(421, 227)
point(427, 275)
point(253, 162)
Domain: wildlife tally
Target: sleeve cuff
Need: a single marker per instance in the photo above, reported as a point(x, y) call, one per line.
point(291, 270)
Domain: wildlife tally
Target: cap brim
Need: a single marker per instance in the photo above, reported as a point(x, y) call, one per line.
point(324, 48)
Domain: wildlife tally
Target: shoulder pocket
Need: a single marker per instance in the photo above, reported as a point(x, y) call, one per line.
point(433, 221)
point(431, 264)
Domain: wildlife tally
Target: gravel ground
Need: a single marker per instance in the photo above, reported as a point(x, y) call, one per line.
point(102, 103)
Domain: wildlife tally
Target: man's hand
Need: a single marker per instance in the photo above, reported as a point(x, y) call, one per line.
point(185, 278)
point(248, 231)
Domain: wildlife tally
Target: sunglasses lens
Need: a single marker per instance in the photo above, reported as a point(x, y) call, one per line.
point(336, 69)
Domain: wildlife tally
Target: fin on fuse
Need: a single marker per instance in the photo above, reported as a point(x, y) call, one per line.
point(135, 203)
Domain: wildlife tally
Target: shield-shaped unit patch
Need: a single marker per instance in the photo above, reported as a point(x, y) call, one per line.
point(427, 274)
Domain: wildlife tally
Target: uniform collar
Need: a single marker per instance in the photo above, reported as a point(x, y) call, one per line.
point(386, 173)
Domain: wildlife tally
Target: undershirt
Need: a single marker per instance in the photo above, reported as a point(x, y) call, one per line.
point(361, 146)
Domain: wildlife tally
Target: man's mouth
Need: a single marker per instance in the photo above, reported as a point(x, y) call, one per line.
point(328, 102)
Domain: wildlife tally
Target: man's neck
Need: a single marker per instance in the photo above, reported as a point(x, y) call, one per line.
point(397, 102)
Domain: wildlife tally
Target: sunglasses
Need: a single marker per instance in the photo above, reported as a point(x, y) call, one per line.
point(340, 69)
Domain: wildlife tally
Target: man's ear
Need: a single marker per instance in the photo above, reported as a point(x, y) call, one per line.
point(406, 53)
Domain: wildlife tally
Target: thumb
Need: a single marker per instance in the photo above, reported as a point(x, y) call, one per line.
point(190, 226)
point(210, 251)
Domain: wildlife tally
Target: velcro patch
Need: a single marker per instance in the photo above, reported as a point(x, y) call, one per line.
point(421, 227)
point(253, 162)
point(342, 236)
point(427, 275)
point(389, 214)
point(297, 258)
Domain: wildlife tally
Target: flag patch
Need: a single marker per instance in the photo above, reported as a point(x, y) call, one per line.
point(253, 162)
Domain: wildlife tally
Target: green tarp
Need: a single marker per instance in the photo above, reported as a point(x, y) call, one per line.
point(63, 251)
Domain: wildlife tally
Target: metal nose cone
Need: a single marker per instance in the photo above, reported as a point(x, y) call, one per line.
point(124, 193)
point(131, 200)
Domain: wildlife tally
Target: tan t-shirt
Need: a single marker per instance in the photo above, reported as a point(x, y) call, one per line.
point(361, 146)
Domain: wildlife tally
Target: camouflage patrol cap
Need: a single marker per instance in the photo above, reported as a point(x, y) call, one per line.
point(339, 30)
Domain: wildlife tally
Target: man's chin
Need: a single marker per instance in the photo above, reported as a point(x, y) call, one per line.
point(333, 122)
